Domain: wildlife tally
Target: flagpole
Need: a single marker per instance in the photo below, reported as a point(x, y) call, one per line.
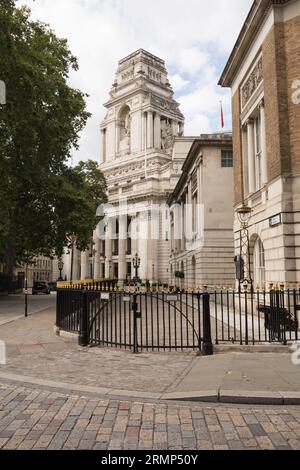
point(222, 116)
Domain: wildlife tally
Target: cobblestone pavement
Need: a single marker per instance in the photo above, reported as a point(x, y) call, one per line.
point(35, 418)
point(34, 350)
point(103, 368)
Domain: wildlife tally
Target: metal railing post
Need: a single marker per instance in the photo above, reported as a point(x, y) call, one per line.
point(135, 309)
point(207, 348)
point(84, 322)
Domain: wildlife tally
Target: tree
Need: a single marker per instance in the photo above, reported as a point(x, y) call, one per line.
point(42, 199)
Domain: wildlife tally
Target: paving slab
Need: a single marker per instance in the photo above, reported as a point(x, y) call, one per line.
point(37, 355)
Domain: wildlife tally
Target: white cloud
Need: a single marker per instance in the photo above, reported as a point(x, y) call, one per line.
point(178, 83)
point(194, 37)
point(198, 124)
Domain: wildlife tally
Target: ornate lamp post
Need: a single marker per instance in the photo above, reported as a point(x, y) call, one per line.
point(60, 267)
point(244, 263)
point(93, 255)
point(72, 241)
point(136, 264)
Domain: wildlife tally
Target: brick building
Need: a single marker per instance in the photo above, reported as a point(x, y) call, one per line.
point(263, 73)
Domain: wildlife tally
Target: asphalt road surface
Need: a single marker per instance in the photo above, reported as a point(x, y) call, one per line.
point(13, 306)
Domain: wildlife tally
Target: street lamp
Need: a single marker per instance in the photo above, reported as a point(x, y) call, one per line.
point(72, 240)
point(243, 263)
point(93, 255)
point(244, 215)
point(60, 267)
point(136, 262)
point(26, 290)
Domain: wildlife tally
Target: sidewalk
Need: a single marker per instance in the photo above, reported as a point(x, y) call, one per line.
point(12, 307)
point(37, 356)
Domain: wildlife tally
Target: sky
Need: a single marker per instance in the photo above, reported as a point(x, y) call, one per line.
point(194, 37)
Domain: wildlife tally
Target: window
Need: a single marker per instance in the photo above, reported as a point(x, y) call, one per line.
point(226, 159)
point(128, 270)
point(115, 271)
point(259, 263)
point(258, 152)
point(194, 213)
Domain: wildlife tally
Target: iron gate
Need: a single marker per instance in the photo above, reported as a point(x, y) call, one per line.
point(144, 321)
point(178, 321)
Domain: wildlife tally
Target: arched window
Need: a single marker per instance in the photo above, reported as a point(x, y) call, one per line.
point(259, 263)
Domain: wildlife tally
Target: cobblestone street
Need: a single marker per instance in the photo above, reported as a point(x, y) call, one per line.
point(35, 418)
point(56, 395)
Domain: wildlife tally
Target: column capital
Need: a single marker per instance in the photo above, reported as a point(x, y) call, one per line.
point(249, 121)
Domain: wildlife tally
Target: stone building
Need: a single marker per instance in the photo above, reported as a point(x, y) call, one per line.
point(143, 150)
point(202, 248)
point(41, 269)
point(263, 73)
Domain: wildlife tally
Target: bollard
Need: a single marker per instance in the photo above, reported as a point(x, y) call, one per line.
point(84, 322)
point(135, 316)
point(207, 348)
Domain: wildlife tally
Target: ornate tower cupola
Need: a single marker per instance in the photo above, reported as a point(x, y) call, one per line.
point(142, 116)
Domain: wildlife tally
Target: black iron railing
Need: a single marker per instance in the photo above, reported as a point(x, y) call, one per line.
point(163, 320)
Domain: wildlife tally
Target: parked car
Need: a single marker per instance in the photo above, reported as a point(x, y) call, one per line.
point(40, 287)
point(52, 286)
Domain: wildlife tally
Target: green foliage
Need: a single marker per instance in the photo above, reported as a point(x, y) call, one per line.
point(179, 275)
point(42, 199)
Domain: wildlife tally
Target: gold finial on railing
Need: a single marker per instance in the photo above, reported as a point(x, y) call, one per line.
point(282, 287)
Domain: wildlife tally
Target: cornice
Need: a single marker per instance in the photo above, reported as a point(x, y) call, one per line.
point(252, 25)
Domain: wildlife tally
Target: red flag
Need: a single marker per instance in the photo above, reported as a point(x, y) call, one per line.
point(222, 116)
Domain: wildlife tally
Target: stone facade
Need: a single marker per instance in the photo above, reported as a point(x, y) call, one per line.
point(143, 150)
point(264, 75)
point(41, 269)
point(202, 248)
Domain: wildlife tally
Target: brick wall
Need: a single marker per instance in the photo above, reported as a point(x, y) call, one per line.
point(237, 148)
point(276, 102)
point(292, 49)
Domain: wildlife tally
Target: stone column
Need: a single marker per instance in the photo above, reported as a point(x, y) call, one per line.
point(108, 250)
point(143, 244)
point(189, 214)
point(76, 261)
point(122, 247)
point(157, 131)
point(97, 265)
point(103, 136)
point(181, 128)
point(183, 224)
point(134, 235)
point(85, 272)
point(244, 134)
point(150, 129)
point(251, 156)
point(118, 131)
point(157, 226)
point(263, 143)
point(144, 130)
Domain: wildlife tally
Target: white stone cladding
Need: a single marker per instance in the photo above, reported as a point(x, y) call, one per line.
point(212, 262)
point(143, 150)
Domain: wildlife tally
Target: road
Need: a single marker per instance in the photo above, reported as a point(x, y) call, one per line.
point(13, 306)
point(52, 396)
